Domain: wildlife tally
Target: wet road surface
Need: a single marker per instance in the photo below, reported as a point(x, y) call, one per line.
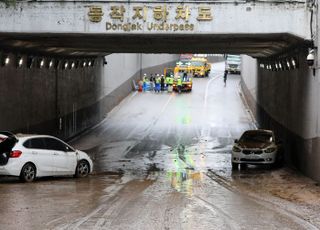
point(162, 161)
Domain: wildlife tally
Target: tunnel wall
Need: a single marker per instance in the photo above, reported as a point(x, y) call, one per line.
point(66, 102)
point(288, 103)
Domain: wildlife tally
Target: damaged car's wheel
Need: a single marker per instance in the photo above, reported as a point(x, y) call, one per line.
point(83, 169)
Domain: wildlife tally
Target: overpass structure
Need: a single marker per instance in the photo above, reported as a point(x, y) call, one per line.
point(70, 94)
point(260, 28)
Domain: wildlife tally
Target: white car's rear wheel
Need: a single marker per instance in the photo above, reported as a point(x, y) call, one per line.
point(28, 173)
point(83, 169)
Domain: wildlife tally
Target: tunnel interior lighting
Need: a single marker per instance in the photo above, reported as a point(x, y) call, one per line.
point(89, 63)
point(66, 64)
point(294, 63)
point(84, 64)
point(19, 61)
point(42, 63)
point(7, 60)
point(51, 64)
point(288, 64)
point(73, 65)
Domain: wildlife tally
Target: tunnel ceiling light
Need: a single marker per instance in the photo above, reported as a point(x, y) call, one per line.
point(89, 63)
point(19, 61)
point(294, 63)
point(66, 65)
point(73, 65)
point(7, 60)
point(42, 63)
point(4, 58)
point(288, 64)
point(280, 66)
point(84, 64)
point(51, 64)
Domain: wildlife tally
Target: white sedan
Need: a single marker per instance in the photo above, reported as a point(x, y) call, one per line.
point(32, 156)
point(257, 147)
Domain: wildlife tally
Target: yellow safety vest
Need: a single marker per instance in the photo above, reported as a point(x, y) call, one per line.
point(171, 80)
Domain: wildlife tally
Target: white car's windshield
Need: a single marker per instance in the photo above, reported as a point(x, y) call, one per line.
point(256, 137)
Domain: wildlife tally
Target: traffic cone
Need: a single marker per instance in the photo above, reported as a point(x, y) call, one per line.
point(140, 88)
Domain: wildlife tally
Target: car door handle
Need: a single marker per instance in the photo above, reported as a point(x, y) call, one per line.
point(34, 153)
point(55, 154)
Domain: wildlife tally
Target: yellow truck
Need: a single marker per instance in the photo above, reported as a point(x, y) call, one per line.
point(183, 71)
point(180, 68)
point(200, 67)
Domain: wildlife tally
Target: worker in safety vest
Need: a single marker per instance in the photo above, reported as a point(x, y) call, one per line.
point(158, 84)
point(162, 80)
point(144, 82)
point(167, 80)
point(179, 84)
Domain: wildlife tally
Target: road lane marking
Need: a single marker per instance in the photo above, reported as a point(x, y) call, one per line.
point(166, 104)
point(207, 89)
point(152, 125)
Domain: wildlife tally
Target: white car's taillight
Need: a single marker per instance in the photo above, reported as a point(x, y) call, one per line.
point(15, 154)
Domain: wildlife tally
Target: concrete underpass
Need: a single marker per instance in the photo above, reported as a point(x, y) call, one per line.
point(162, 161)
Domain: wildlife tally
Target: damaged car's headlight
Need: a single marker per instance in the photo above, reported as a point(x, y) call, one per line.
point(236, 149)
point(270, 150)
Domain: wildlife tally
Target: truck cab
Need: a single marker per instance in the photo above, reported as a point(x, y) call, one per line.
point(233, 64)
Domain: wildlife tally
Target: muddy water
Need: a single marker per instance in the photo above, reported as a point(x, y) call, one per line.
point(162, 161)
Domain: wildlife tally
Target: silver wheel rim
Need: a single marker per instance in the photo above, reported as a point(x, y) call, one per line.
point(83, 169)
point(29, 173)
